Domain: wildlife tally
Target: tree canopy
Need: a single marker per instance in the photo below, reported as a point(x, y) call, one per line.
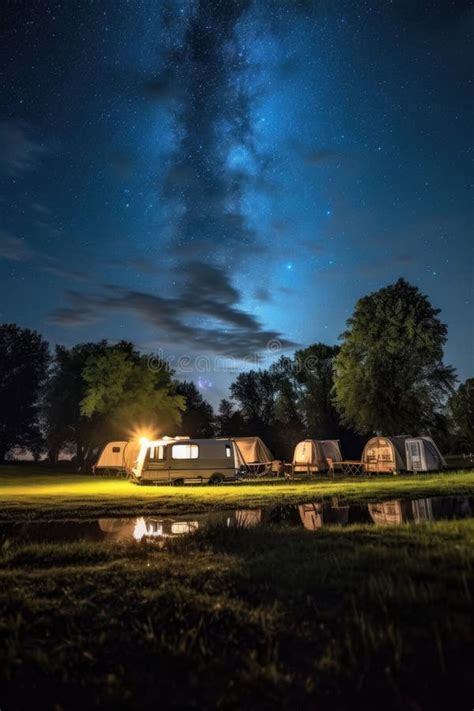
point(461, 417)
point(389, 373)
point(99, 391)
point(122, 388)
point(197, 419)
point(24, 358)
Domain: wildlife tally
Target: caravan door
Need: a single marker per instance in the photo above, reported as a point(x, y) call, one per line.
point(156, 465)
point(415, 458)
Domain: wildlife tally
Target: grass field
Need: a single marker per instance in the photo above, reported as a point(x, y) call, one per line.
point(266, 618)
point(27, 494)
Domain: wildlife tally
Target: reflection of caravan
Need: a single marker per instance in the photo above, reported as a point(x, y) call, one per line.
point(118, 456)
point(182, 459)
point(312, 455)
point(123, 529)
point(394, 454)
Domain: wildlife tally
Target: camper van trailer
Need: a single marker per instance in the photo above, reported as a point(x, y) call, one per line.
point(402, 453)
point(180, 459)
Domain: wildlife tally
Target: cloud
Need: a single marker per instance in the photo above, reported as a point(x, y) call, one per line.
point(14, 248)
point(204, 315)
point(64, 272)
point(19, 151)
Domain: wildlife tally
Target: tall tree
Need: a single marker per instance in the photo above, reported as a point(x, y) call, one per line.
point(24, 361)
point(256, 393)
point(198, 417)
point(127, 395)
point(461, 417)
point(98, 392)
point(64, 423)
point(314, 373)
point(229, 421)
point(389, 373)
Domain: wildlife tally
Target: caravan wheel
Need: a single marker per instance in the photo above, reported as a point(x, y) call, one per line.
point(216, 479)
point(178, 482)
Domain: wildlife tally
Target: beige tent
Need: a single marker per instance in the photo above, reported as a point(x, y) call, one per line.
point(118, 456)
point(311, 455)
point(401, 453)
point(253, 450)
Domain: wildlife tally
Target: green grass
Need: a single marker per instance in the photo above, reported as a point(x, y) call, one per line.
point(262, 618)
point(35, 494)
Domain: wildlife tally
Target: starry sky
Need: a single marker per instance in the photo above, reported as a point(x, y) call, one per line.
point(220, 181)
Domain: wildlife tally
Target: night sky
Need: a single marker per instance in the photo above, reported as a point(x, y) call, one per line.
point(228, 178)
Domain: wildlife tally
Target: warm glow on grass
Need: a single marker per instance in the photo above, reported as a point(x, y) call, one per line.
point(49, 495)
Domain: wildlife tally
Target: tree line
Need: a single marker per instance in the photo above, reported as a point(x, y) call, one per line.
point(387, 376)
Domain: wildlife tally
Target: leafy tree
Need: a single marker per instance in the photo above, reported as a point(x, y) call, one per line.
point(122, 390)
point(314, 373)
point(24, 361)
point(229, 422)
point(256, 393)
point(63, 421)
point(99, 392)
point(461, 417)
point(304, 406)
point(266, 407)
point(198, 417)
point(390, 375)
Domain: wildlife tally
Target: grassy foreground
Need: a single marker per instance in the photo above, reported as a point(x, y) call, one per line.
point(262, 618)
point(29, 494)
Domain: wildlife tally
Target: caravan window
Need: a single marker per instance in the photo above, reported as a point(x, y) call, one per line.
point(227, 450)
point(115, 450)
point(184, 451)
point(154, 454)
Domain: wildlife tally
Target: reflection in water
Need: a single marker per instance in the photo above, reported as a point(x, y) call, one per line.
point(311, 516)
point(393, 513)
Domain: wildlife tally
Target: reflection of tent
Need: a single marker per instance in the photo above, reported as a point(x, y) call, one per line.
point(245, 518)
point(311, 515)
point(311, 455)
point(317, 514)
point(117, 529)
point(391, 513)
point(402, 453)
point(422, 510)
point(118, 455)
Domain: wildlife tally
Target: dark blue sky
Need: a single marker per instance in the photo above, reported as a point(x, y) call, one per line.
point(207, 178)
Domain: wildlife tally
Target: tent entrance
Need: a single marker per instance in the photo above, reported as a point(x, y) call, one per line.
point(415, 458)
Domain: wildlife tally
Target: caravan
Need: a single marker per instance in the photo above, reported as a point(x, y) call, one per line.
point(180, 459)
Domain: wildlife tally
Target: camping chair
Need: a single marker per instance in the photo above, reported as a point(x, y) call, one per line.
point(277, 468)
point(330, 462)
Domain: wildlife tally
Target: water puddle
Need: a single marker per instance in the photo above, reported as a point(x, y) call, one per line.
point(311, 516)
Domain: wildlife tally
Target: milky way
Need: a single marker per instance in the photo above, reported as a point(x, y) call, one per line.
point(210, 177)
